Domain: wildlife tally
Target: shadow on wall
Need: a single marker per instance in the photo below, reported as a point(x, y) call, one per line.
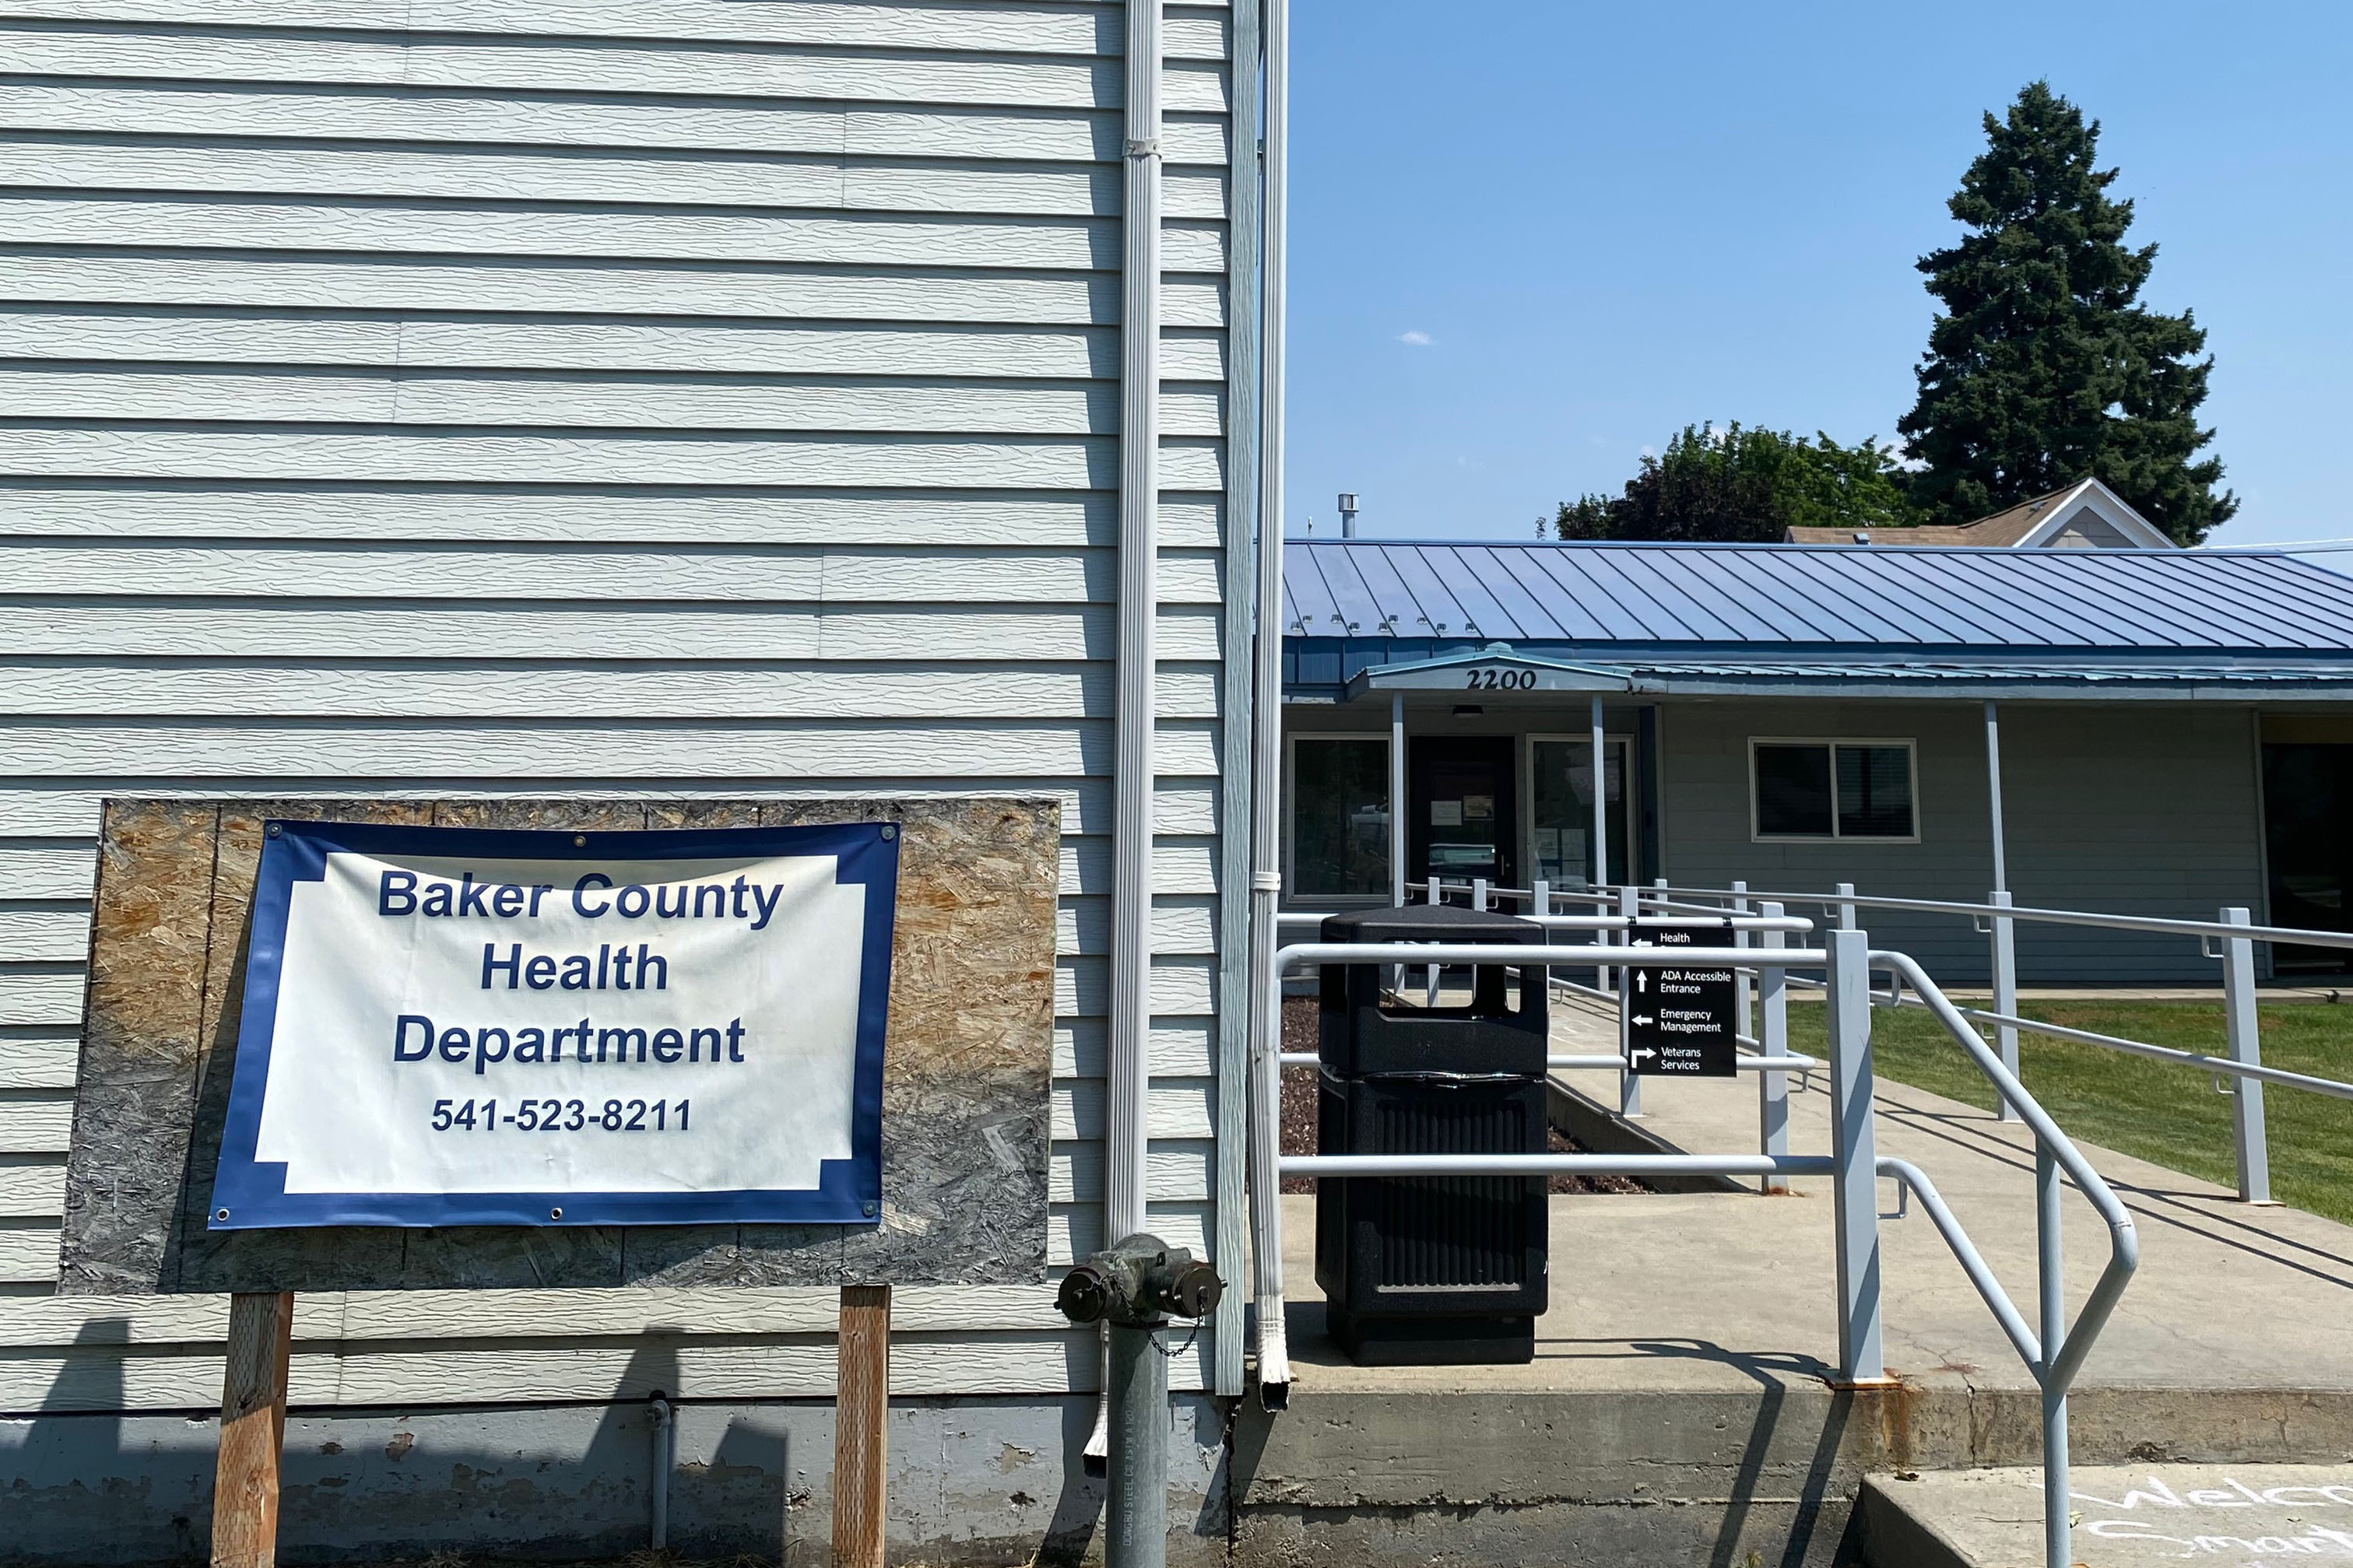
point(82, 1484)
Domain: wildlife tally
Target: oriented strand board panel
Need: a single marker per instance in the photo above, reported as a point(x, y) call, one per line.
point(967, 1077)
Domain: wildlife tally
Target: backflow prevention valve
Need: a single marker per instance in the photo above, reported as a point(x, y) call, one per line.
point(1140, 1283)
point(1135, 1287)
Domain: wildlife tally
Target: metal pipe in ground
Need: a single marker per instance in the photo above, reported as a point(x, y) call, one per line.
point(1136, 1521)
point(665, 1451)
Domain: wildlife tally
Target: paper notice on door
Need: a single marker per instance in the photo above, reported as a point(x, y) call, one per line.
point(1479, 808)
point(1548, 844)
point(1446, 813)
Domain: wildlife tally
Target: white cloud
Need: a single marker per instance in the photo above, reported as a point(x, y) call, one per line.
point(1417, 337)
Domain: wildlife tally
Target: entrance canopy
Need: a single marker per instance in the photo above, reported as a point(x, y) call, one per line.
point(1498, 671)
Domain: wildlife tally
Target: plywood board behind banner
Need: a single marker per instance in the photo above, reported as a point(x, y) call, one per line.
point(967, 1077)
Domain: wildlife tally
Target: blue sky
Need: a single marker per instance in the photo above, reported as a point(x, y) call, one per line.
point(1529, 240)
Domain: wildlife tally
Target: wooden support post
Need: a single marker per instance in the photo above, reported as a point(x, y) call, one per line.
point(861, 1406)
point(252, 1429)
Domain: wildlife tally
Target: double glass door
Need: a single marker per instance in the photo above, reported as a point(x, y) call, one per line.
point(1560, 810)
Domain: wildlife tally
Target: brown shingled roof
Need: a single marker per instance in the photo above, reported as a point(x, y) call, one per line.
point(1998, 531)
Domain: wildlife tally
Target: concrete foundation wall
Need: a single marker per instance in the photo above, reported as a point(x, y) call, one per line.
point(972, 1481)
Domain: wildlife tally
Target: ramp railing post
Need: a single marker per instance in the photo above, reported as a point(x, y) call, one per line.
point(2005, 990)
point(1629, 1088)
point(2051, 1282)
point(1773, 1088)
point(1479, 893)
point(1856, 1156)
point(2248, 1137)
point(1846, 921)
point(1743, 1013)
point(1436, 897)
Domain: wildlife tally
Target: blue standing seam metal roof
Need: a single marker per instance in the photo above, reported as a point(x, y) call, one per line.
point(1776, 601)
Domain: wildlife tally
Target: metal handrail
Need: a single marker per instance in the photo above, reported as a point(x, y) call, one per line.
point(2124, 1245)
point(1598, 1061)
point(2053, 1357)
point(2292, 935)
point(2220, 1066)
point(2235, 948)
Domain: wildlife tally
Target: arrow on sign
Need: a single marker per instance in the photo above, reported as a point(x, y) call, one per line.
point(1642, 1020)
point(1639, 1055)
point(1642, 980)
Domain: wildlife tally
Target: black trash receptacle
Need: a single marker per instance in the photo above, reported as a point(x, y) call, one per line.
point(1432, 1270)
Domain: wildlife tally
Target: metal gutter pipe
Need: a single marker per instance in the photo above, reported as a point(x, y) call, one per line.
point(1266, 875)
point(1129, 1071)
point(1236, 678)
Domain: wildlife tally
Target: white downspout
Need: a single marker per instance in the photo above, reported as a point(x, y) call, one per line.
point(1139, 517)
point(1128, 1091)
point(1266, 878)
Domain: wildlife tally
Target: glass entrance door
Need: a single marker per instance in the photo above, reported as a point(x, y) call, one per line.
point(1465, 822)
point(1560, 811)
point(2308, 829)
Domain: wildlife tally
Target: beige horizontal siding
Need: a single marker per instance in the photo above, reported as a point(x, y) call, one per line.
point(425, 116)
point(388, 282)
point(129, 51)
point(199, 627)
point(416, 344)
point(992, 27)
point(685, 179)
point(583, 574)
point(641, 398)
point(775, 242)
point(516, 514)
point(290, 394)
point(1180, 805)
point(847, 689)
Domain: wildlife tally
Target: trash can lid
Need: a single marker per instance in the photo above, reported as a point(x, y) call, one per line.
point(1430, 922)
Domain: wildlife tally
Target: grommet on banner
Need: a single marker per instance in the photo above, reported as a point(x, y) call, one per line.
point(889, 830)
point(556, 1214)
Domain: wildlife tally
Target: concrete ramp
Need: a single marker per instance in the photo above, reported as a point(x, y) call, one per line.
point(1678, 1410)
point(2230, 1516)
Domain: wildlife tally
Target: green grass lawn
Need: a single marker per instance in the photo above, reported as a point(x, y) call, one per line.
point(2157, 1111)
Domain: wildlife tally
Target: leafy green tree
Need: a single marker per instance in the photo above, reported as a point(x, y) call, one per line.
point(2042, 368)
point(1743, 485)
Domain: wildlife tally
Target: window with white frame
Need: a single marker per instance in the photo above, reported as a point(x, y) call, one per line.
point(1339, 816)
point(1833, 789)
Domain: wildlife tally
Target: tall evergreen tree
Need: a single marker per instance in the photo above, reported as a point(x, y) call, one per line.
point(2043, 369)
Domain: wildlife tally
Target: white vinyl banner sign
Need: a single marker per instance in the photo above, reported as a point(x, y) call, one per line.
point(469, 1027)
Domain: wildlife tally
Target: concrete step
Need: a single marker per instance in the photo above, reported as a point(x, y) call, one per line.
point(2232, 1516)
point(1690, 1461)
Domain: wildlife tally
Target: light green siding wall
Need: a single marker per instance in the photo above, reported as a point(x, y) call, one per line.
point(2130, 808)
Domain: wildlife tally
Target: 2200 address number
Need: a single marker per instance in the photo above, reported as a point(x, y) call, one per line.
point(561, 1116)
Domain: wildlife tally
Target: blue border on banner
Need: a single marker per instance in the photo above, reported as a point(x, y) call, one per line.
point(849, 1191)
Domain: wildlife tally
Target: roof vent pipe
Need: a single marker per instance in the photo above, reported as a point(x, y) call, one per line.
point(1347, 514)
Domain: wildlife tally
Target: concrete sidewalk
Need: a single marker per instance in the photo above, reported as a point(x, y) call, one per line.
point(1686, 1353)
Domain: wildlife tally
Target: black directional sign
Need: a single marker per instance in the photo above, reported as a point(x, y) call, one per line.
point(1679, 1022)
